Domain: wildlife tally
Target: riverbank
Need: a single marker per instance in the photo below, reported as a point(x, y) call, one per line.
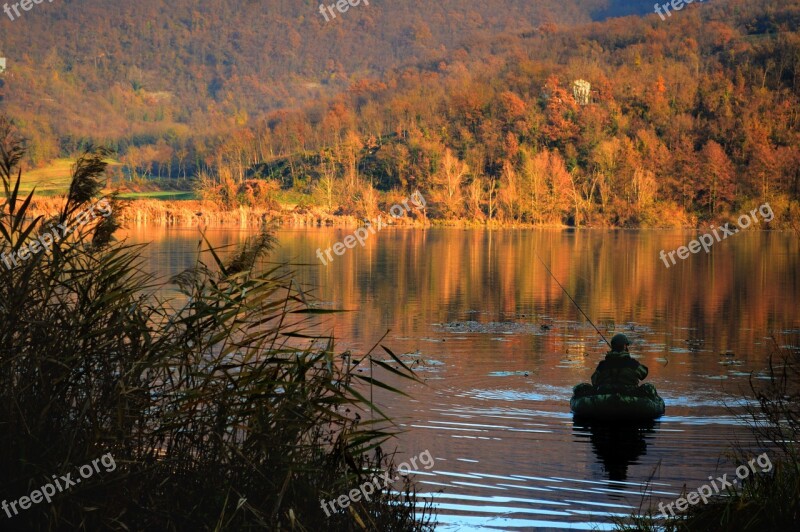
point(190, 213)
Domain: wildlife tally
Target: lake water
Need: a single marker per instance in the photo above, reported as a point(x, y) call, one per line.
point(499, 347)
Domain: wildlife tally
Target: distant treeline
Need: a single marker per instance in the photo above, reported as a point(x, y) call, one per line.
point(688, 120)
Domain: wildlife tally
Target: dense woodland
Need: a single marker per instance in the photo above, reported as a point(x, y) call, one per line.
point(690, 119)
point(135, 72)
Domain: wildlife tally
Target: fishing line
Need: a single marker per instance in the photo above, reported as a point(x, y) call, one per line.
point(573, 301)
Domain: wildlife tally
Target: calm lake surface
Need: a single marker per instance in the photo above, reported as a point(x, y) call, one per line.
point(500, 346)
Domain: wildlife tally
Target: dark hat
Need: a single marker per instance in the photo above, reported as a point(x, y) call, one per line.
point(619, 341)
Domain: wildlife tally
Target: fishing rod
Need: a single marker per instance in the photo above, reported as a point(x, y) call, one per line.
point(573, 301)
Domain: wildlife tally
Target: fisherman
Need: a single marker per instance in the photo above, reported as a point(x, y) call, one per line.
point(619, 372)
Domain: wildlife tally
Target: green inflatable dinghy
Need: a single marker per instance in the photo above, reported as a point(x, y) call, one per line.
point(634, 404)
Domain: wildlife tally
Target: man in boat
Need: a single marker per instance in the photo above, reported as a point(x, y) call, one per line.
point(615, 394)
point(619, 372)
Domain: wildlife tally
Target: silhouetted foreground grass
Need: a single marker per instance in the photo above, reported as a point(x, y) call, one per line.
point(215, 417)
point(764, 501)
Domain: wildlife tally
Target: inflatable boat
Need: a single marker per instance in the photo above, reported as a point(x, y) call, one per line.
point(636, 404)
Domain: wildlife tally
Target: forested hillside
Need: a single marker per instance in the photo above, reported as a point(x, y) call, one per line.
point(688, 119)
point(133, 71)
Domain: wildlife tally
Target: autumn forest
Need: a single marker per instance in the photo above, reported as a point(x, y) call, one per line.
point(671, 122)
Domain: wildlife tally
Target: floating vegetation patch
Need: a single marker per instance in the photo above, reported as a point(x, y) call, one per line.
point(508, 373)
point(493, 327)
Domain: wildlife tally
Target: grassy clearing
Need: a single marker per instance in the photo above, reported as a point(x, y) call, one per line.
point(159, 195)
point(53, 179)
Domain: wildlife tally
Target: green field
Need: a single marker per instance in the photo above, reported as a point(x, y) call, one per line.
point(52, 180)
point(159, 195)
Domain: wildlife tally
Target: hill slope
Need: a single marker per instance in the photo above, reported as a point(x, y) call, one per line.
point(132, 64)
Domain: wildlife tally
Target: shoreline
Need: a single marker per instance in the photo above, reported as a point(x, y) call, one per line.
point(199, 213)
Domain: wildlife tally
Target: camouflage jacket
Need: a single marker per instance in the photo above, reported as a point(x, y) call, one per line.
point(618, 370)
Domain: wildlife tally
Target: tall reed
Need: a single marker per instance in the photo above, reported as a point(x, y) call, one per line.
point(762, 501)
point(222, 410)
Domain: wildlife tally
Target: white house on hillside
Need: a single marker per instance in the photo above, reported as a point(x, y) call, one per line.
point(582, 90)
